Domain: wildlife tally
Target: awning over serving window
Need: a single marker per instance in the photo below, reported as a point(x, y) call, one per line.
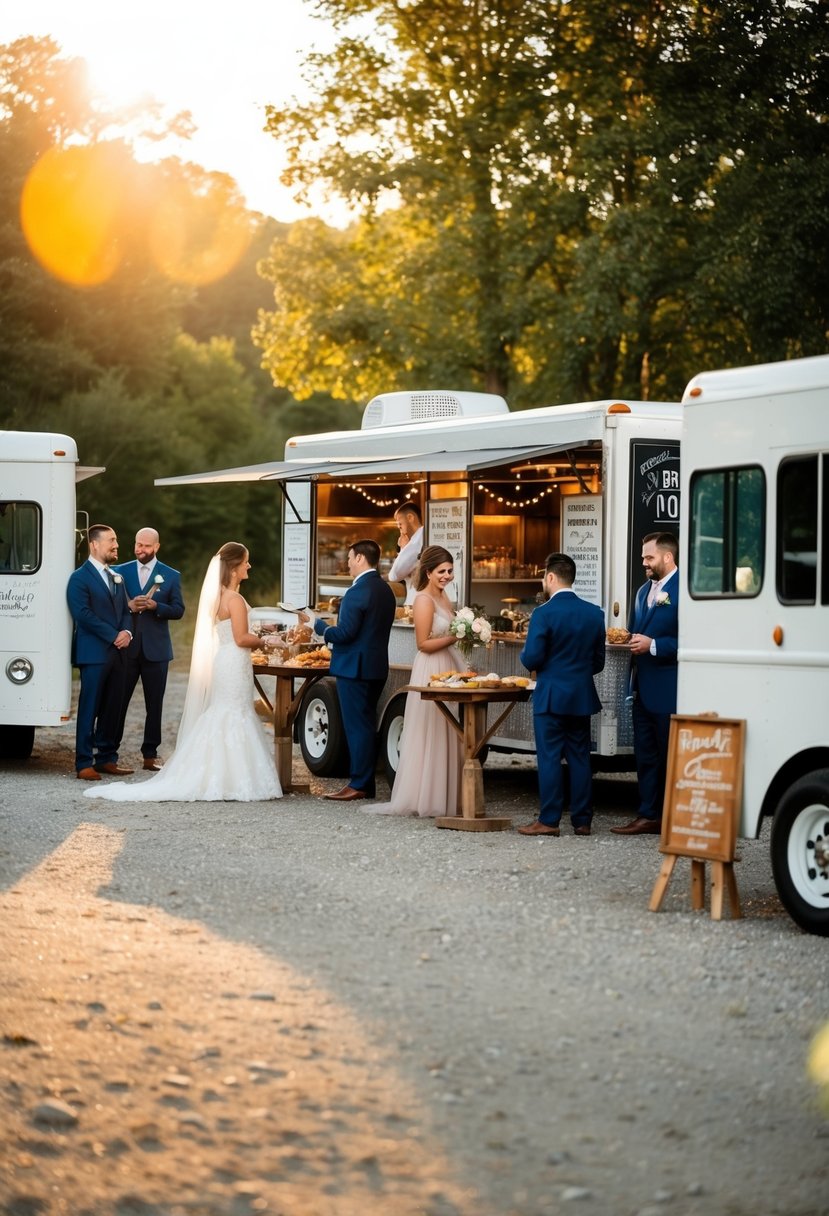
point(275, 470)
point(419, 462)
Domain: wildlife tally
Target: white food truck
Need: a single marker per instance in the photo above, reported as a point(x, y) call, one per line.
point(754, 624)
point(500, 490)
point(38, 543)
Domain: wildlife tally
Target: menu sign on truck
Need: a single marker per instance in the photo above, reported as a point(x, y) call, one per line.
point(447, 526)
point(581, 533)
point(704, 787)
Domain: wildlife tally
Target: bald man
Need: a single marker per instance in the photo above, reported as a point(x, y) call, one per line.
point(154, 599)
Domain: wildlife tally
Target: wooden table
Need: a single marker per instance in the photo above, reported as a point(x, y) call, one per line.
point(472, 728)
point(285, 708)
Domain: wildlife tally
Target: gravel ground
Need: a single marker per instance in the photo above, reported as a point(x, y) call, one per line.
point(295, 1008)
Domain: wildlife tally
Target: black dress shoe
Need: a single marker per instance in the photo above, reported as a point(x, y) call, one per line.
point(346, 795)
point(639, 827)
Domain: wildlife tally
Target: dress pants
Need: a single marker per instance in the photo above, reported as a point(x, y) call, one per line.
point(99, 710)
point(358, 703)
point(153, 678)
point(557, 737)
point(650, 743)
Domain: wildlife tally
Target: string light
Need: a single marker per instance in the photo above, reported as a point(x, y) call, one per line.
point(375, 502)
point(517, 504)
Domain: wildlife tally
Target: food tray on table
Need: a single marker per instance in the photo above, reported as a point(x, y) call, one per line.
point(473, 681)
point(300, 656)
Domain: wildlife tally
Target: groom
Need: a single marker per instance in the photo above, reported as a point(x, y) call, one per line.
point(360, 662)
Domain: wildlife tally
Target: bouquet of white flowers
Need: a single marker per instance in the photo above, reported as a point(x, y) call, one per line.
point(469, 629)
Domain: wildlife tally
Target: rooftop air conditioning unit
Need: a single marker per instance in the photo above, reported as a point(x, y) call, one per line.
point(401, 409)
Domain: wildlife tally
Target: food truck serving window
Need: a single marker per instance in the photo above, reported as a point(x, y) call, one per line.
point(20, 533)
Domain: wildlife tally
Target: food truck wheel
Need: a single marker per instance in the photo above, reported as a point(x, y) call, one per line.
point(800, 852)
point(320, 730)
point(391, 729)
point(16, 742)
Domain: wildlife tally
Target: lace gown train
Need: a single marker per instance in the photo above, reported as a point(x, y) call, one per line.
point(428, 775)
point(227, 756)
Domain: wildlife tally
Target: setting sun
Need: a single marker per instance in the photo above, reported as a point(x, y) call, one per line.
point(223, 72)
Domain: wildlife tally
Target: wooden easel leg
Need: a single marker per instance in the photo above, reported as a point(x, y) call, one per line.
point(733, 893)
point(697, 884)
point(662, 881)
point(717, 889)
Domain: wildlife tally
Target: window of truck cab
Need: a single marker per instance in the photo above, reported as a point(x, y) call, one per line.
point(21, 528)
point(727, 532)
point(802, 542)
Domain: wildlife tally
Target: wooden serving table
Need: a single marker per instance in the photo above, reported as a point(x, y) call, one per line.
point(473, 704)
point(285, 708)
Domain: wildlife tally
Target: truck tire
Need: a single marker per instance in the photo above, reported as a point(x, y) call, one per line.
point(800, 852)
point(16, 742)
point(391, 729)
point(320, 730)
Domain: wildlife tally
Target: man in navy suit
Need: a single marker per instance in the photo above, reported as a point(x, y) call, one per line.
point(154, 598)
point(565, 647)
point(98, 604)
point(654, 624)
point(360, 662)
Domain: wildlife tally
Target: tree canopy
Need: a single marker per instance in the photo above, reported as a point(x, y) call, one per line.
point(558, 199)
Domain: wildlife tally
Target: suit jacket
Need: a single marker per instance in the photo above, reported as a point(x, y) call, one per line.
point(653, 677)
point(360, 638)
point(99, 616)
point(151, 630)
point(565, 647)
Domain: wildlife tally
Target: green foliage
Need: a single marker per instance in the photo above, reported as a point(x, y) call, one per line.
point(559, 200)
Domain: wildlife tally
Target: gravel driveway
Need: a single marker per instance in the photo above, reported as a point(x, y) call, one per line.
point(295, 1008)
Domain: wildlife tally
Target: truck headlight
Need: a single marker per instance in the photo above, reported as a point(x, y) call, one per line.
point(19, 671)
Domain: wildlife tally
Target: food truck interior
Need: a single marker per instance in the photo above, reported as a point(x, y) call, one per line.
point(510, 516)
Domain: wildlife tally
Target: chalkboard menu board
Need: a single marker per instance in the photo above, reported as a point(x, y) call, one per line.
point(704, 787)
point(654, 499)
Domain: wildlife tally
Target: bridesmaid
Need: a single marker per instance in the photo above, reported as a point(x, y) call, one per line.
point(428, 775)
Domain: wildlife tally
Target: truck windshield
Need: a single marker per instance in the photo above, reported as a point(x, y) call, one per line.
point(20, 533)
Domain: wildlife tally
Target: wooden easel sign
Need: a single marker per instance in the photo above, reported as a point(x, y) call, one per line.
point(702, 800)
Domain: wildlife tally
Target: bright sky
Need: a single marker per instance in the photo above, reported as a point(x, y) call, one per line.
point(223, 63)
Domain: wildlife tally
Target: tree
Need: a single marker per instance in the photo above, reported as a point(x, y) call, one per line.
point(560, 175)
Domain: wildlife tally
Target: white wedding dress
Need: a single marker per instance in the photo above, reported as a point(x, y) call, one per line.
point(225, 755)
point(428, 773)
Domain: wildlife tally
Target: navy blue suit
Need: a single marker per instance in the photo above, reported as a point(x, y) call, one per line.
point(99, 617)
point(653, 683)
point(150, 651)
point(565, 647)
point(360, 662)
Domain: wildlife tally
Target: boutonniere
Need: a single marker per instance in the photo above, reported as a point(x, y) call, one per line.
point(158, 580)
point(117, 579)
point(662, 598)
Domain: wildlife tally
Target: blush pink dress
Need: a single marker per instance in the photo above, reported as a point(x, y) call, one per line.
point(428, 775)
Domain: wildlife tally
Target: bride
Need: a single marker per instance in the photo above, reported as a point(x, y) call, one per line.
point(222, 751)
point(430, 750)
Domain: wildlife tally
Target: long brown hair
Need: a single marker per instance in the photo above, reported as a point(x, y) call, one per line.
point(431, 557)
point(230, 555)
